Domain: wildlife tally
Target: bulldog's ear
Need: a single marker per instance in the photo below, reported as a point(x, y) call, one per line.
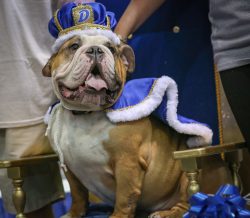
point(46, 71)
point(128, 57)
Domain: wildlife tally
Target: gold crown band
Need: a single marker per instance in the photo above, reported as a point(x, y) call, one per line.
point(108, 22)
point(83, 26)
point(59, 27)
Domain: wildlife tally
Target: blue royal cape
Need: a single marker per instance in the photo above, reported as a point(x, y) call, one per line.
point(157, 96)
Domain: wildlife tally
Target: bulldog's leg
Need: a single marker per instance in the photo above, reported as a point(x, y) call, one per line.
point(129, 175)
point(179, 208)
point(79, 197)
point(212, 167)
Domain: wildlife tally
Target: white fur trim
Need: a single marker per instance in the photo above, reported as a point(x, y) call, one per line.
point(165, 85)
point(47, 116)
point(90, 32)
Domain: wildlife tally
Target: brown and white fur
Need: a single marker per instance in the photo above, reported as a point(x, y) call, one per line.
point(128, 164)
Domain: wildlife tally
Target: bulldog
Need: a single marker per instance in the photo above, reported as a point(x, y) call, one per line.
point(127, 164)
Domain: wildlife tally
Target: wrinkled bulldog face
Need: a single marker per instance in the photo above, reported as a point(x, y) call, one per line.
point(88, 72)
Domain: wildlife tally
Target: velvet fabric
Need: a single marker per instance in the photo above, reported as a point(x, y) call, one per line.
point(158, 96)
point(136, 91)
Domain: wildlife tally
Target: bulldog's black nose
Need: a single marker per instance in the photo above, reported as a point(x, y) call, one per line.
point(95, 52)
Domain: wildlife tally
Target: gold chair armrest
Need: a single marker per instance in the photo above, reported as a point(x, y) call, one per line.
point(208, 150)
point(190, 162)
point(25, 161)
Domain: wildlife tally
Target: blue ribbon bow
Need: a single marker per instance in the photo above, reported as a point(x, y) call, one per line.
point(226, 203)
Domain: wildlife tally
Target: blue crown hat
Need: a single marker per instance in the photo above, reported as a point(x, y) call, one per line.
point(77, 19)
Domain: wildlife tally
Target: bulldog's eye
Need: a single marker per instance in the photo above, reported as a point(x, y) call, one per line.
point(74, 46)
point(112, 49)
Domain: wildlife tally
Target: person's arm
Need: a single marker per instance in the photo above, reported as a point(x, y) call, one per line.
point(135, 15)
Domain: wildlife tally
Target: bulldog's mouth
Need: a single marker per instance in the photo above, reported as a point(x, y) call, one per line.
point(94, 90)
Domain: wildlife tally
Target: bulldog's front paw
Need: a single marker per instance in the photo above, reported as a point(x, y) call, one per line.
point(166, 214)
point(175, 212)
